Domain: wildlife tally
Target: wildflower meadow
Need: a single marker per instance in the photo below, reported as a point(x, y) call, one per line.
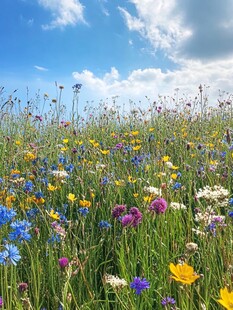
point(115, 209)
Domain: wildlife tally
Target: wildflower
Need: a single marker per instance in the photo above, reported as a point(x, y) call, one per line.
point(168, 301)
point(22, 287)
point(152, 190)
point(71, 197)
point(54, 215)
point(10, 255)
point(104, 224)
point(84, 203)
point(105, 152)
point(177, 206)
point(133, 218)
point(63, 262)
point(51, 187)
point(191, 247)
point(183, 273)
point(83, 211)
point(20, 232)
point(29, 157)
point(226, 298)
point(139, 285)
point(6, 215)
point(118, 210)
point(115, 281)
point(158, 206)
point(165, 159)
point(1, 302)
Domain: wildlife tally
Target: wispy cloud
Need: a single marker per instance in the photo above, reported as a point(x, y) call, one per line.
point(64, 13)
point(40, 68)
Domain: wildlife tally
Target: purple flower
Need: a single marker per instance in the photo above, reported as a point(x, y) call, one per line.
point(118, 210)
point(1, 302)
point(139, 285)
point(158, 206)
point(127, 220)
point(22, 287)
point(133, 218)
point(168, 301)
point(63, 262)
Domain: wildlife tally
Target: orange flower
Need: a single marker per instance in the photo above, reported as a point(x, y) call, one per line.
point(183, 273)
point(226, 298)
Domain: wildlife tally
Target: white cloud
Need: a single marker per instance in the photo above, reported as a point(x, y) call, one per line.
point(64, 13)
point(160, 23)
point(153, 82)
point(40, 68)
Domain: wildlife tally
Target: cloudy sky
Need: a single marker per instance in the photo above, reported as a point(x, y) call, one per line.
point(130, 49)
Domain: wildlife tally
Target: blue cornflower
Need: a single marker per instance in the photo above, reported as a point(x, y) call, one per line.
point(168, 301)
point(139, 285)
point(28, 187)
point(32, 213)
point(231, 201)
point(20, 232)
point(6, 215)
point(104, 181)
point(104, 224)
point(62, 160)
point(39, 195)
point(177, 186)
point(83, 211)
point(54, 167)
point(54, 238)
point(230, 214)
point(69, 167)
point(10, 255)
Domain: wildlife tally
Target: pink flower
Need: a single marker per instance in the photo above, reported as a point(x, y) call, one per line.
point(63, 262)
point(158, 206)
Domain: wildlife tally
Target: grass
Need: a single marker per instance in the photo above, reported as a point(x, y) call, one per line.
point(64, 177)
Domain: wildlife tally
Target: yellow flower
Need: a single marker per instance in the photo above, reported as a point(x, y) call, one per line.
point(183, 273)
point(131, 180)
point(79, 142)
point(135, 195)
point(175, 167)
point(151, 129)
point(105, 152)
point(96, 144)
point(120, 182)
point(148, 198)
point(17, 142)
point(174, 176)
point(226, 298)
point(51, 188)
point(165, 158)
point(29, 156)
point(9, 200)
point(64, 149)
point(84, 203)
point(135, 133)
point(136, 148)
point(71, 197)
point(65, 141)
point(54, 215)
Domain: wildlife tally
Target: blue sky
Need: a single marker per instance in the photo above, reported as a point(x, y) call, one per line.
point(129, 49)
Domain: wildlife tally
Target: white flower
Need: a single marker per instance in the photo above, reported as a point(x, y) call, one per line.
point(169, 164)
point(152, 190)
point(177, 206)
point(115, 281)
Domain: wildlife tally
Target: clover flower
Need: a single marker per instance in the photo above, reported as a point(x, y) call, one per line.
point(158, 206)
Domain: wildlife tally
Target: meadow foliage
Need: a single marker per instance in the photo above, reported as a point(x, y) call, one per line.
point(115, 209)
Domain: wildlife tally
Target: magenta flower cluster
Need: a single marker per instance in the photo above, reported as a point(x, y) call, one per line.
point(158, 206)
point(133, 218)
